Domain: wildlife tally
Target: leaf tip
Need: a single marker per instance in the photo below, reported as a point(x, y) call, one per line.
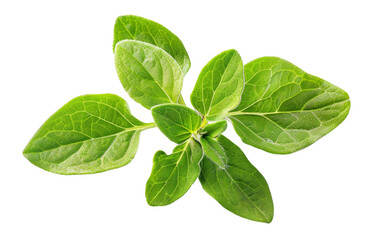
point(268, 219)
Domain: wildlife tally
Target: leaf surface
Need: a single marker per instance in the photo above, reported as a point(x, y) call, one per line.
point(214, 151)
point(214, 129)
point(144, 30)
point(148, 74)
point(90, 134)
point(172, 175)
point(219, 86)
point(175, 121)
point(239, 186)
point(284, 109)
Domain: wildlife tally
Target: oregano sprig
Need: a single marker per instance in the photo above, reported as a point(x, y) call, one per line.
point(272, 104)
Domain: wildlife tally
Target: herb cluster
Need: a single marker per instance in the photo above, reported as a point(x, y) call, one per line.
point(272, 104)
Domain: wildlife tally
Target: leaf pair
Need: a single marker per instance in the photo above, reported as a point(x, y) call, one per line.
point(224, 171)
point(150, 60)
point(95, 133)
point(152, 77)
point(272, 104)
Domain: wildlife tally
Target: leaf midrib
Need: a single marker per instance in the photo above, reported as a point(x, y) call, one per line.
point(128, 31)
point(283, 112)
point(223, 164)
point(221, 79)
point(181, 126)
point(172, 172)
point(152, 78)
point(243, 193)
point(269, 85)
point(173, 53)
point(137, 128)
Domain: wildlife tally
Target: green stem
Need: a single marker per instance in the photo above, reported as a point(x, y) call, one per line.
point(204, 122)
point(149, 125)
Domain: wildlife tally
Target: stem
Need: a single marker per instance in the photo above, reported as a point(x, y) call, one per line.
point(204, 122)
point(149, 125)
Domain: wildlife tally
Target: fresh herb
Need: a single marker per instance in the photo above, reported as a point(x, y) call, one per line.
point(219, 86)
point(272, 104)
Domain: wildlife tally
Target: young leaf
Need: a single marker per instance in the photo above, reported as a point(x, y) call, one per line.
point(173, 174)
point(214, 129)
point(284, 109)
point(144, 30)
point(214, 151)
point(90, 134)
point(175, 121)
point(219, 86)
point(148, 73)
point(239, 186)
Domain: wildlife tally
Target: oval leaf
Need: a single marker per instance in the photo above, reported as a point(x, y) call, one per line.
point(90, 134)
point(148, 73)
point(284, 109)
point(239, 186)
point(144, 30)
point(214, 151)
point(219, 86)
point(173, 174)
point(175, 121)
point(214, 129)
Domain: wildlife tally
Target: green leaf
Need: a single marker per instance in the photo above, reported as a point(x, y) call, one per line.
point(219, 86)
point(214, 151)
point(239, 186)
point(173, 174)
point(214, 129)
point(90, 134)
point(144, 30)
point(284, 109)
point(175, 121)
point(148, 73)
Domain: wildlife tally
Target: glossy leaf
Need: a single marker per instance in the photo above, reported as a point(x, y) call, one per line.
point(239, 187)
point(214, 151)
point(90, 134)
point(144, 30)
point(173, 174)
point(214, 129)
point(148, 73)
point(284, 109)
point(219, 86)
point(175, 121)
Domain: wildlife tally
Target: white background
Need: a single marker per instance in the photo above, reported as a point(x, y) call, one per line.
point(53, 51)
